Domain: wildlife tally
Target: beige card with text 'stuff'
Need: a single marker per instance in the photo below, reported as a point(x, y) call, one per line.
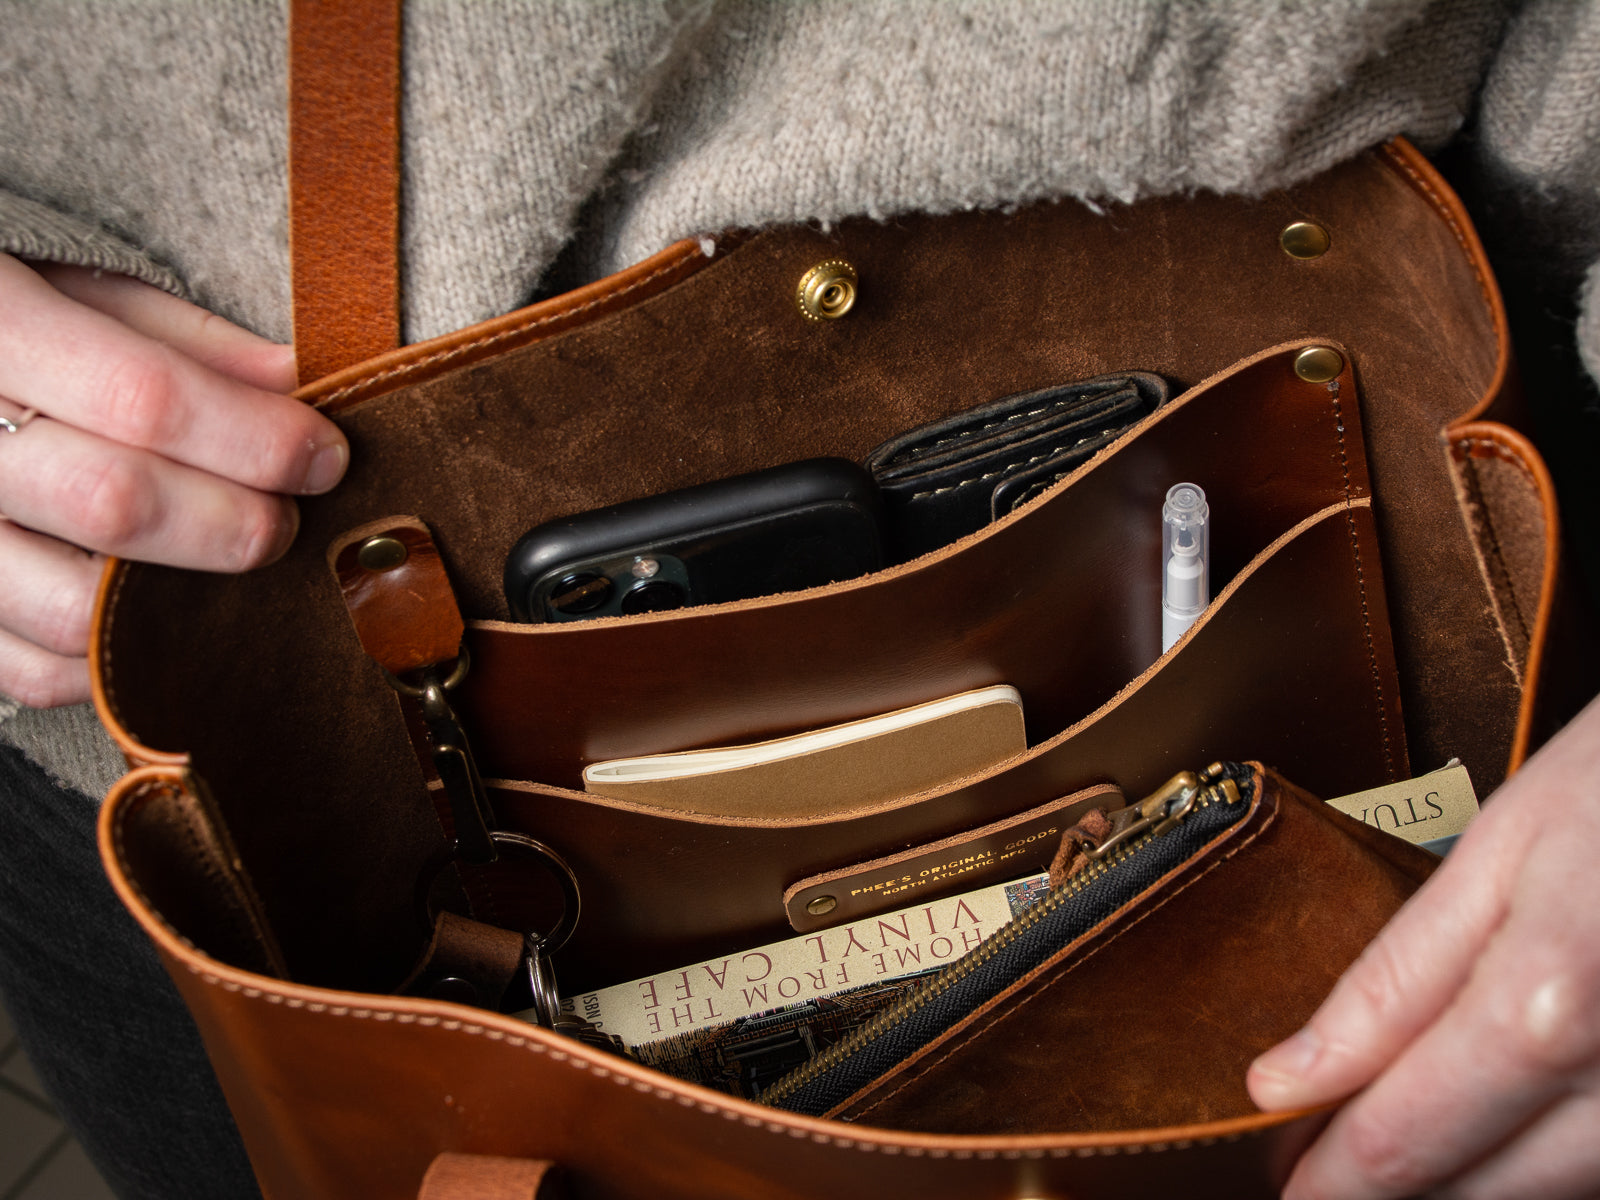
point(828, 770)
point(1429, 811)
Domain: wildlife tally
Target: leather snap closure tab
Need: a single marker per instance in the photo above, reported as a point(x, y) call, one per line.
point(379, 554)
point(827, 291)
point(1318, 364)
point(1305, 239)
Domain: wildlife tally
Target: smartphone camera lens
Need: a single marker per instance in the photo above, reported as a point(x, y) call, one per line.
point(653, 597)
point(580, 593)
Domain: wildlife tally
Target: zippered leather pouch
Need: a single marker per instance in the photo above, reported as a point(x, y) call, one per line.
point(1190, 932)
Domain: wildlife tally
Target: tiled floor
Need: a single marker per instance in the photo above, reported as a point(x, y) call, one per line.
point(39, 1160)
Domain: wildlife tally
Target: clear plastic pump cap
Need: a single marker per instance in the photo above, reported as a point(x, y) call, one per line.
point(1185, 508)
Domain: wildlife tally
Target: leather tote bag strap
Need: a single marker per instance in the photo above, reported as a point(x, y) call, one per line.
point(344, 181)
point(486, 1177)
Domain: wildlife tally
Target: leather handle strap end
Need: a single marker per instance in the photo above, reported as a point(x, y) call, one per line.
point(488, 1177)
point(344, 181)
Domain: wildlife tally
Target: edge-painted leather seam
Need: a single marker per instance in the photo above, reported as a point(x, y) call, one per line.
point(453, 1025)
point(141, 793)
point(1361, 580)
point(117, 578)
point(453, 352)
point(994, 1019)
point(1509, 445)
point(1471, 252)
point(1470, 478)
point(101, 682)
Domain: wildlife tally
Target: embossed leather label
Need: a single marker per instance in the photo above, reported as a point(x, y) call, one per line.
point(989, 854)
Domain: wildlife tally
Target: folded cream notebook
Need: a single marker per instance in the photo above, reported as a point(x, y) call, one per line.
point(844, 767)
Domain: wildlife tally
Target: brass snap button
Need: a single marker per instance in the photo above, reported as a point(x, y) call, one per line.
point(378, 554)
point(1305, 239)
point(1318, 364)
point(827, 291)
point(821, 906)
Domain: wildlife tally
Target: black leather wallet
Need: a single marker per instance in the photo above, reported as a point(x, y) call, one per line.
point(948, 478)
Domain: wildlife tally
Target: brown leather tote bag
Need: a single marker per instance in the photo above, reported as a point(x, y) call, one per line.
point(1392, 593)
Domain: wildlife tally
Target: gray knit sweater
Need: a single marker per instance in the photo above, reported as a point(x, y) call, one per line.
point(149, 137)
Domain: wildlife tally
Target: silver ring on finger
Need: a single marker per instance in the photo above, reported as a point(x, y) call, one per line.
point(17, 423)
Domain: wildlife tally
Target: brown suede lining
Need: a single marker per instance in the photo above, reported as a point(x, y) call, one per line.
point(261, 680)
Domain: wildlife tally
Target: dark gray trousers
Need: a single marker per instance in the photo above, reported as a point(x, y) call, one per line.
point(103, 1025)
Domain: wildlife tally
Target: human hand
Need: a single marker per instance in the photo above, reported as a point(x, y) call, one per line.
point(1473, 1021)
point(162, 434)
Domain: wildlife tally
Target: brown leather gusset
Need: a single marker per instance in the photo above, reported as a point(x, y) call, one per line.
point(1501, 398)
point(186, 868)
point(490, 1177)
point(1221, 959)
point(1509, 499)
point(344, 181)
point(405, 614)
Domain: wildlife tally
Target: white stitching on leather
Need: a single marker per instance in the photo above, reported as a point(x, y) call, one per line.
point(455, 1025)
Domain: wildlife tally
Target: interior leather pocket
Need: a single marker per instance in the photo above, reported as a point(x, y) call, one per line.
point(1297, 641)
point(1060, 599)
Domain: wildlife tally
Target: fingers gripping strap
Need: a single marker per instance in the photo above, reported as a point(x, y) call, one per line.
point(344, 181)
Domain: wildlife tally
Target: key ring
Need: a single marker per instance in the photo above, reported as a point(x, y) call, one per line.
point(514, 845)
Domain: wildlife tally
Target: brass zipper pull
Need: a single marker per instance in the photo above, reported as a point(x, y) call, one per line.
point(1133, 828)
point(1161, 812)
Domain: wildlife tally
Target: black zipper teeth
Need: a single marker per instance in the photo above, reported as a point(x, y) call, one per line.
point(966, 966)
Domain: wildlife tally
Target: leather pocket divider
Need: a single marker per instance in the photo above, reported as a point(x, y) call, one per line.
point(1060, 599)
point(1054, 599)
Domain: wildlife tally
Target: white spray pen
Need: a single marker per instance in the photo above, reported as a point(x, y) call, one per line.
point(1186, 561)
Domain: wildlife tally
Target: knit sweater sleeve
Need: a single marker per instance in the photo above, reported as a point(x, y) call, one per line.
point(32, 230)
point(1589, 324)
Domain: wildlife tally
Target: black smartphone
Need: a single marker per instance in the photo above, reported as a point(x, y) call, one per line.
point(778, 530)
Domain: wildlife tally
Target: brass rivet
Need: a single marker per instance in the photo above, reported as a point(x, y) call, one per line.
point(1304, 239)
point(827, 291)
point(381, 553)
point(1318, 364)
point(821, 906)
